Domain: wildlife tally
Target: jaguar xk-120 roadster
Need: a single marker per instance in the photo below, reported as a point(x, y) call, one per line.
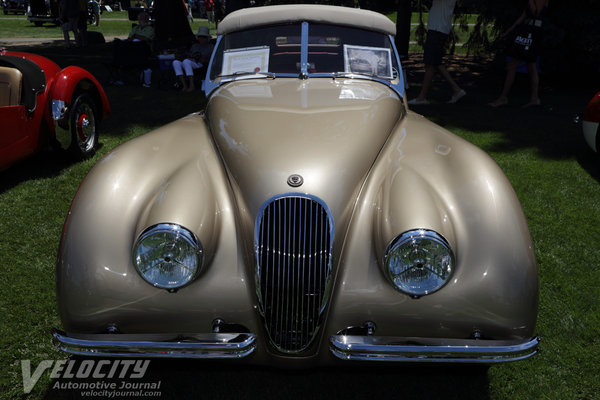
point(305, 217)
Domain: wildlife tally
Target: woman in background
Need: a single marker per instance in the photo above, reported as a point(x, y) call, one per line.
point(525, 47)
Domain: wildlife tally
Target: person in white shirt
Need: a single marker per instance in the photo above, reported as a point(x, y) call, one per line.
point(439, 25)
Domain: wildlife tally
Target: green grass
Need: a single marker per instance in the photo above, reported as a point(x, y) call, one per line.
point(554, 175)
point(111, 24)
point(34, 199)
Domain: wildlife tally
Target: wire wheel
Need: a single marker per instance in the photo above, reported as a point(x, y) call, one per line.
point(83, 126)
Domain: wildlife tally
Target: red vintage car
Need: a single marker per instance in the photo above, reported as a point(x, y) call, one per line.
point(43, 105)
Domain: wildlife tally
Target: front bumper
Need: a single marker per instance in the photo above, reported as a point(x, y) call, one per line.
point(209, 345)
point(42, 18)
point(382, 348)
point(345, 347)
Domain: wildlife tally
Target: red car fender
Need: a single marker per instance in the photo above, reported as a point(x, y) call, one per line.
point(592, 111)
point(68, 80)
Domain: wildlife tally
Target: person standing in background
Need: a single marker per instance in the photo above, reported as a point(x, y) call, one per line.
point(210, 10)
point(82, 22)
point(68, 12)
point(439, 25)
point(524, 46)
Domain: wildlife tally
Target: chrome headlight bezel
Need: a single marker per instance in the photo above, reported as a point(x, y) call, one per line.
point(421, 242)
point(170, 239)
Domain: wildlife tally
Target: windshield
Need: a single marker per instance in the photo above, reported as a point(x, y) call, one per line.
point(341, 49)
point(269, 49)
point(330, 50)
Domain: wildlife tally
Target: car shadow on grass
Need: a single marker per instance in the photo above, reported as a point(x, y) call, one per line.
point(48, 163)
point(181, 379)
point(548, 127)
point(551, 134)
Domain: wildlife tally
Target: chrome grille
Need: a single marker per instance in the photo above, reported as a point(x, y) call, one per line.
point(293, 249)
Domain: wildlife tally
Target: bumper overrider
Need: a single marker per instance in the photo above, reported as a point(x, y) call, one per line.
point(345, 347)
point(61, 112)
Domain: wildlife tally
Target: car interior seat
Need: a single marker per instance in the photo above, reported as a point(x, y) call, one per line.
point(11, 80)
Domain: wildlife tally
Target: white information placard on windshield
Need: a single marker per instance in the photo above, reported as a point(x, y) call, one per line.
point(246, 60)
point(373, 61)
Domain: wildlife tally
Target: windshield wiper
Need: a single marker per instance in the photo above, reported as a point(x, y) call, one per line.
point(354, 75)
point(241, 73)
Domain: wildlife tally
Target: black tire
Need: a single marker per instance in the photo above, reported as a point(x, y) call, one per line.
point(94, 19)
point(38, 23)
point(84, 127)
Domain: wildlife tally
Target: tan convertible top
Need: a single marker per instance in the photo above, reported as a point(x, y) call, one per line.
point(253, 17)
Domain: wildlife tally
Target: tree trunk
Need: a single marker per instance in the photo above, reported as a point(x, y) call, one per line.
point(403, 27)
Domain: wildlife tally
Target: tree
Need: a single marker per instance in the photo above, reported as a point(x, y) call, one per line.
point(403, 21)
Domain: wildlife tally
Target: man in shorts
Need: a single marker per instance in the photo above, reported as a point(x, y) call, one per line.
point(439, 25)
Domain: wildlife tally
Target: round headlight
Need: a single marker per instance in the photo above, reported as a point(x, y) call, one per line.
point(167, 256)
point(419, 262)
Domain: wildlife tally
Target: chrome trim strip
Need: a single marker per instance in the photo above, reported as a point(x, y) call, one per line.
point(399, 349)
point(204, 345)
point(210, 85)
point(304, 51)
point(399, 87)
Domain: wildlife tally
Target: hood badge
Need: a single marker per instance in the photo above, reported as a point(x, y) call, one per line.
point(295, 180)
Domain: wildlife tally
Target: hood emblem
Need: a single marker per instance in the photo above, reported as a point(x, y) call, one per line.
point(295, 180)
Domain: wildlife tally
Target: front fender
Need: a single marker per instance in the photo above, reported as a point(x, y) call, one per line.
point(67, 84)
point(428, 178)
point(72, 78)
point(158, 177)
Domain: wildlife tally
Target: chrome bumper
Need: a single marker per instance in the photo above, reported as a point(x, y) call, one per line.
point(209, 345)
point(381, 348)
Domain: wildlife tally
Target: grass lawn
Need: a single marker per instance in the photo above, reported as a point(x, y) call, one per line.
point(555, 176)
point(111, 24)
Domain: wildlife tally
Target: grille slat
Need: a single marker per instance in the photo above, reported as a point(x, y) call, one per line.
point(294, 236)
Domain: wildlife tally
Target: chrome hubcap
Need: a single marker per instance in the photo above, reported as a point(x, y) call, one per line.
point(86, 130)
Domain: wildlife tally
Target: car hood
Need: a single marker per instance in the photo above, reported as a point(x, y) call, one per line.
point(328, 131)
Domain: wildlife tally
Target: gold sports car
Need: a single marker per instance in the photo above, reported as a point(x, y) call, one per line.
point(305, 218)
